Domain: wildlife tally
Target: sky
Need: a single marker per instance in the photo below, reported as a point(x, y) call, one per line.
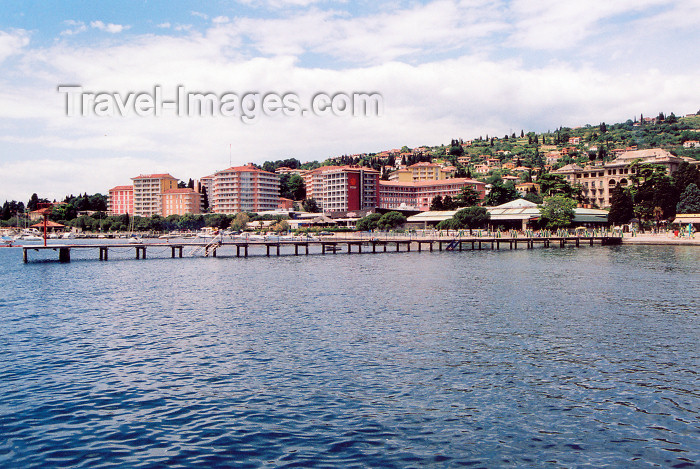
point(444, 69)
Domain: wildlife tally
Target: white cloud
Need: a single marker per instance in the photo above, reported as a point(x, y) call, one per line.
point(198, 14)
point(553, 24)
point(12, 42)
point(77, 27)
point(277, 4)
point(437, 66)
point(435, 28)
point(109, 27)
point(165, 25)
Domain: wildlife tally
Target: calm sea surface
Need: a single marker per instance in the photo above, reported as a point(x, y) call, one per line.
point(546, 357)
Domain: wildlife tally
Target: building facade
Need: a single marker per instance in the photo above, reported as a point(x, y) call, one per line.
point(120, 200)
point(244, 189)
point(422, 171)
point(148, 193)
point(419, 195)
point(343, 188)
point(598, 181)
point(181, 201)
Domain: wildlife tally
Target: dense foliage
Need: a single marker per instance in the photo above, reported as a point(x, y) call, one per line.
point(557, 212)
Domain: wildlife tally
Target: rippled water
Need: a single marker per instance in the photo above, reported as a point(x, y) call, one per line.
point(546, 357)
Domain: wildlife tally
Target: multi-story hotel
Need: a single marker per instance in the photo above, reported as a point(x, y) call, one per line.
point(120, 200)
point(244, 189)
point(422, 171)
point(342, 188)
point(418, 195)
point(148, 191)
point(181, 201)
point(598, 181)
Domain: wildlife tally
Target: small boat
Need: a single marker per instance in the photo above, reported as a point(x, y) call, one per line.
point(6, 242)
point(133, 239)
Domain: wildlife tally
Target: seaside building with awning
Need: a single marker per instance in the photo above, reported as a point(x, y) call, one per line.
point(688, 219)
point(517, 214)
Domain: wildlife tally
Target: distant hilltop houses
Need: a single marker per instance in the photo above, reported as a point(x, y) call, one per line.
point(594, 159)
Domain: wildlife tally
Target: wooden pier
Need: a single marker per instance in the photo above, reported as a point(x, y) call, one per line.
point(332, 246)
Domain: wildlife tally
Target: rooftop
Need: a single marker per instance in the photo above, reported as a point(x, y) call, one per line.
point(436, 182)
point(154, 176)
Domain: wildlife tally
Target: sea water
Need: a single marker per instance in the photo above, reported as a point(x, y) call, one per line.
point(561, 357)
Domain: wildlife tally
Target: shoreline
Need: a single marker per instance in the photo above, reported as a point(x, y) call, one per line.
point(660, 239)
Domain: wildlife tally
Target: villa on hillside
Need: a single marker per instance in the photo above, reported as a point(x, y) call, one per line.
point(599, 180)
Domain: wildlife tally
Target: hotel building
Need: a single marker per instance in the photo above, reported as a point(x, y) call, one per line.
point(418, 195)
point(244, 189)
point(598, 181)
point(343, 188)
point(120, 200)
point(422, 171)
point(181, 201)
point(148, 191)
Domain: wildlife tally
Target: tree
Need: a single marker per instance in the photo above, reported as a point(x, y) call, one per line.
point(471, 217)
point(555, 184)
point(436, 204)
point(655, 190)
point(622, 208)
point(557, 212)
point(455, 148)
point(205, 198)
point(500, 194)
point(533, 196)
point(468, 197)
point(391, 220)
point(448, 203)
point(685, 175)
point(369, 222)
point(34, 202)
point(690, 200)
point(240, 221)
point(280, 226)
point(296, 187)
point(311, 206)
point(446, 224)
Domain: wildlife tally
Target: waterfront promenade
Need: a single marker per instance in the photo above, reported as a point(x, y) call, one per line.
point(660, 239)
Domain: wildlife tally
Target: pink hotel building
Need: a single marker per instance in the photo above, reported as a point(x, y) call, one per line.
point(121, 200)
point(242, 189)
point(343, 188)
point(418, 195)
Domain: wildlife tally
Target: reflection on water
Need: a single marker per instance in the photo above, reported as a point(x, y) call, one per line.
point(568, 356)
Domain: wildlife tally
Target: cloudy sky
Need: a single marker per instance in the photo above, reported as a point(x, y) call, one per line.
point(445, 69)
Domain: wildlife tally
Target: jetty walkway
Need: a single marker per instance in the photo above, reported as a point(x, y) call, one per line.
point(331, 245)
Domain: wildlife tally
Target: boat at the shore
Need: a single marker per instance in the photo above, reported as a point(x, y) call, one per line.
point(133, 239)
